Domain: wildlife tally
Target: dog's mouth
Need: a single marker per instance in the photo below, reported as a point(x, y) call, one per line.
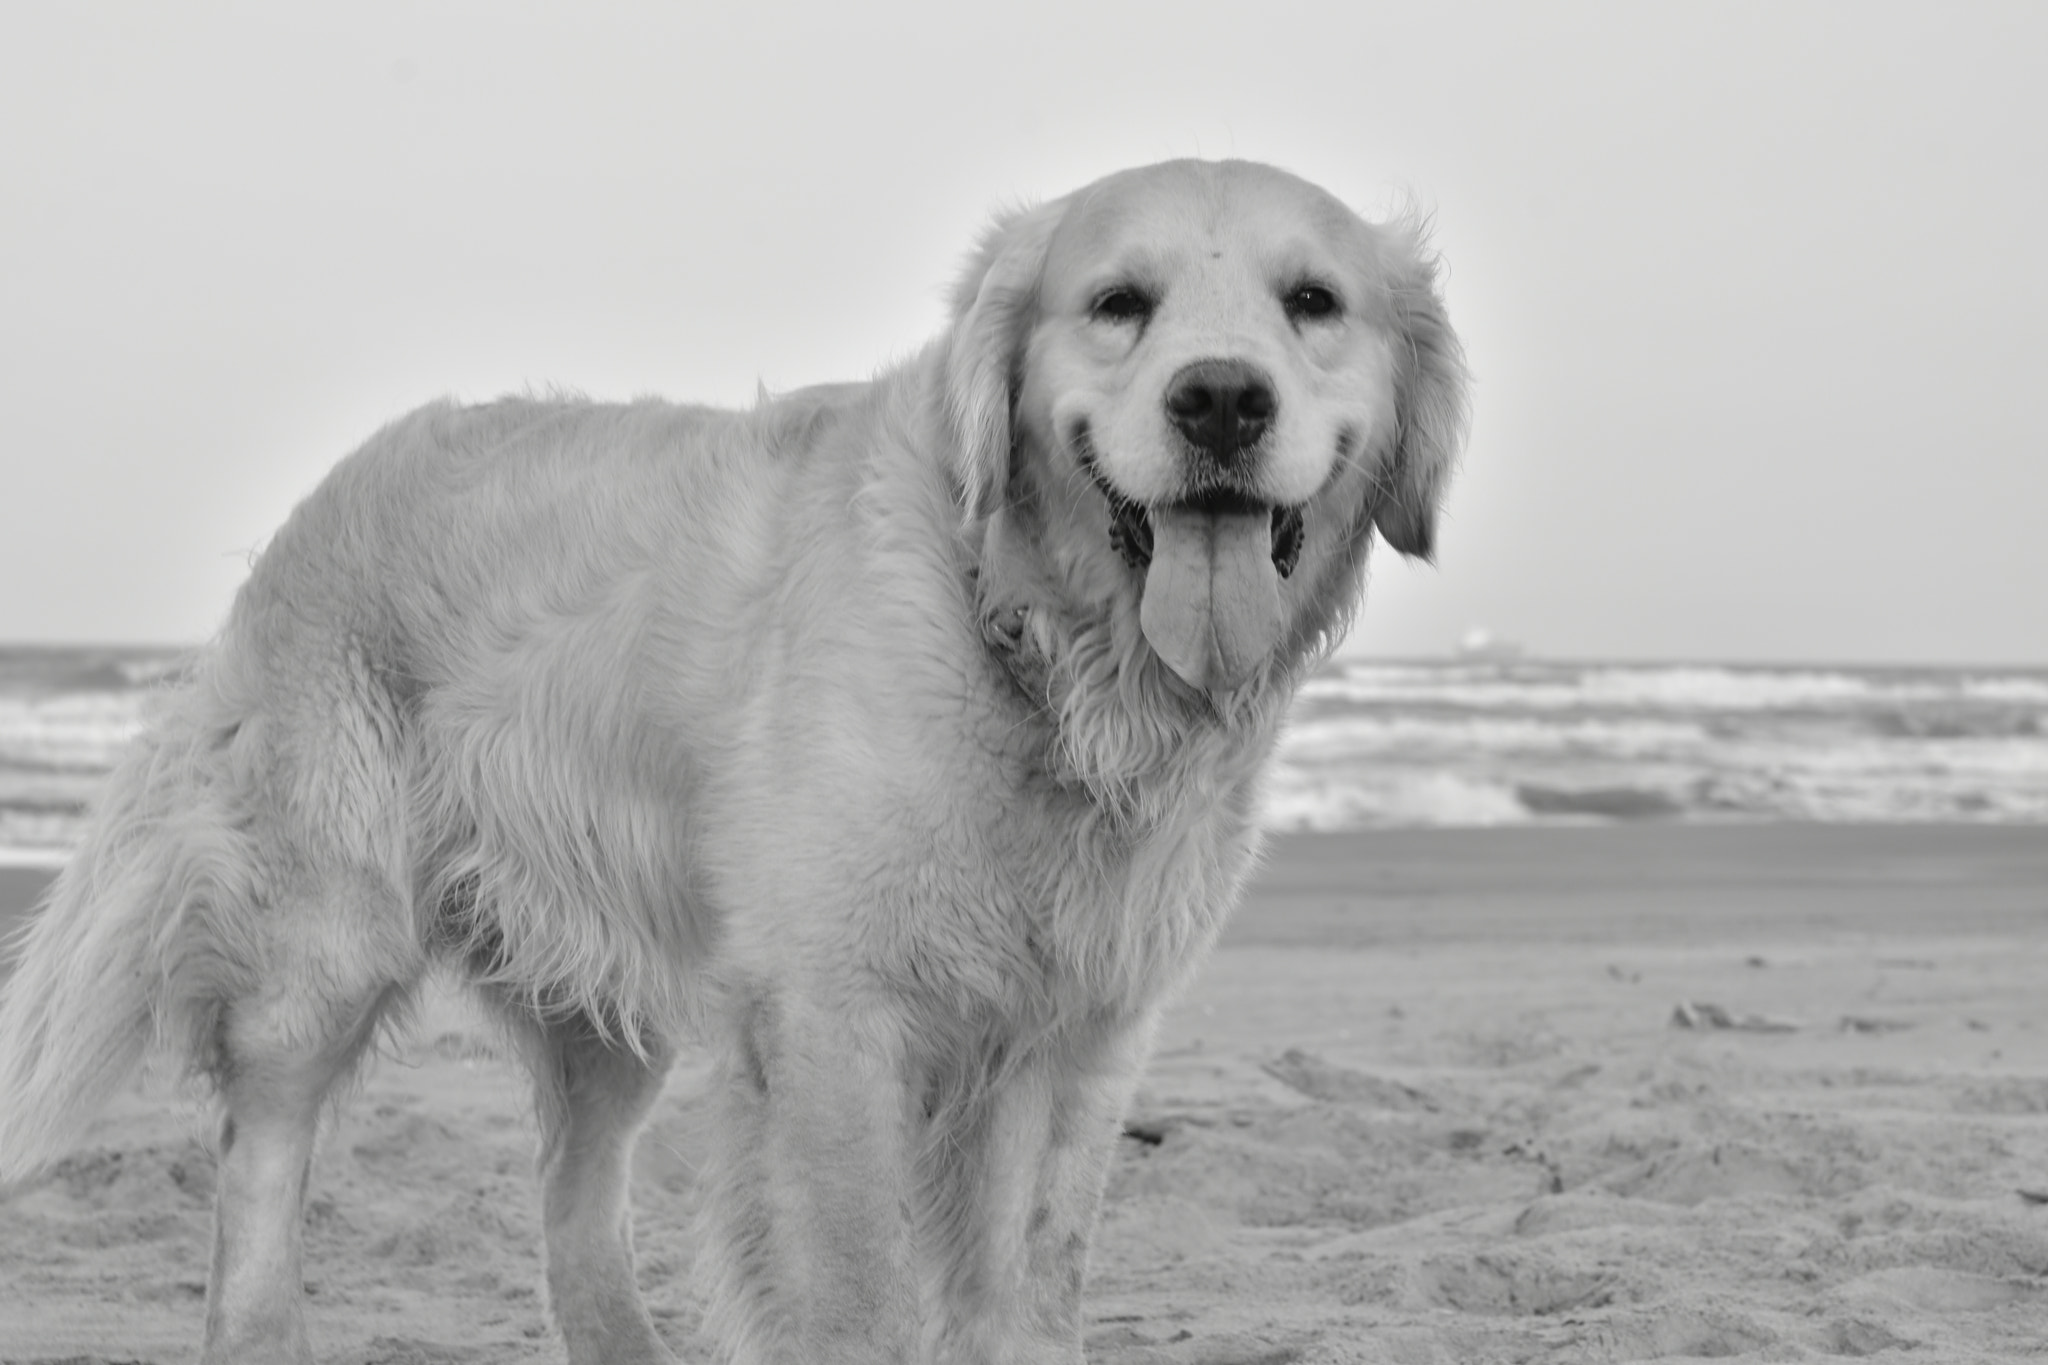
point(1212, 562)
point(1130, 522)
point(1130, 526)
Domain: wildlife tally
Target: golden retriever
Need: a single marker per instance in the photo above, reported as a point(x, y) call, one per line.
point(900, 739)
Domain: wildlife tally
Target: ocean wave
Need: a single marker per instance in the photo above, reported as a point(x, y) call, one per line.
point(1958, 722)
point(1817, 796)
point(47, 789)
point(1335, 739)
point(2030, 691)
point(69, 729)
point(1607, 803)
point(1539, 686)
point(2021, 758)
point(32, 836)
point(1300, 801)
point(49, 859)
point(46, 669)
point(1297, 801)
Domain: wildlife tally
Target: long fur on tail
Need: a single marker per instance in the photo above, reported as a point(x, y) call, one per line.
point(92, 967)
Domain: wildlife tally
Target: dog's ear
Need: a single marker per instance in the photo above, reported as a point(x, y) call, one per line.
point(1429, 394)
point(992, 309)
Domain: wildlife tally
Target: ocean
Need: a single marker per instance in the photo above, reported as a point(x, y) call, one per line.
point(1377, 744)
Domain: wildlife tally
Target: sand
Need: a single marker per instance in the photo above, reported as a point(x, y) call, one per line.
point(1649, 1093)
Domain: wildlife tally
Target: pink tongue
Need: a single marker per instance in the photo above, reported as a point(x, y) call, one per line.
point(1211, 609)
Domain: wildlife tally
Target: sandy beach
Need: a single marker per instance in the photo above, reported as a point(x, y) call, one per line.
point(1657, 1092)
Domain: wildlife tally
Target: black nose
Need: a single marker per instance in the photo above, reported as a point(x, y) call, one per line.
point(1222, 406)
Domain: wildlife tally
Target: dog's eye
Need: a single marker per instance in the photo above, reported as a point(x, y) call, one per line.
point(1308, 302)
point(1121, 304)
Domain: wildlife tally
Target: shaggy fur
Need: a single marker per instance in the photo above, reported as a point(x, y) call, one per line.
point(828, 733)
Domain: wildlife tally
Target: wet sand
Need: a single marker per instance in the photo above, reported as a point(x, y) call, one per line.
point(1648, 1092)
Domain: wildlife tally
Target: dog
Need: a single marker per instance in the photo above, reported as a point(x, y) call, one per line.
point(900, 740)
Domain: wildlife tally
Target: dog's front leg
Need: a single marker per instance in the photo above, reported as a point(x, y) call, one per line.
point(1029, 1179)
point(808, 1235)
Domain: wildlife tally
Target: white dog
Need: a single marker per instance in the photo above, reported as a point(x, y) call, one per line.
point(902, 739)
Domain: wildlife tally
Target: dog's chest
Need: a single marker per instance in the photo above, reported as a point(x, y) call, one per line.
point(1087, 914)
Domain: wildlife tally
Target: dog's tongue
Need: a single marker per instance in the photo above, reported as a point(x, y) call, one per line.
point(1211, 608)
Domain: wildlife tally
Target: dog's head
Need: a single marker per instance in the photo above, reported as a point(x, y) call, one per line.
point(1200, 386)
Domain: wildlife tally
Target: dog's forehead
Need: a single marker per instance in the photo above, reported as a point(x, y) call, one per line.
point(1189, 214)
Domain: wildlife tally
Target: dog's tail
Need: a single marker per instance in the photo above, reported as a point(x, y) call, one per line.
point(81, 1005)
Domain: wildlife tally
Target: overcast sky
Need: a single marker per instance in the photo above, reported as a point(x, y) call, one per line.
point(1756, 295)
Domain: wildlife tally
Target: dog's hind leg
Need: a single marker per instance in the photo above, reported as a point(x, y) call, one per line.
point(592, 1094)
point(277, 1055)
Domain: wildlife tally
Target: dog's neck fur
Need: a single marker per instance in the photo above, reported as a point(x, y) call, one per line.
point(1110, 719)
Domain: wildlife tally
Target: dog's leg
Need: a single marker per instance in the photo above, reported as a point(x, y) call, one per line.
point(1087, 1115)
point(278, 1057)
point(593, 1094)
point(1029, 1177)
point(808, 1232)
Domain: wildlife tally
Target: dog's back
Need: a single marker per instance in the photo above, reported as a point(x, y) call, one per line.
point(467, 642)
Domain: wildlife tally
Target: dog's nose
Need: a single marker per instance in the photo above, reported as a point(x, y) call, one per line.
point(1222, 406)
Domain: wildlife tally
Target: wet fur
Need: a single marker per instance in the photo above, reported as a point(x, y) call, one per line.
point(819, 732)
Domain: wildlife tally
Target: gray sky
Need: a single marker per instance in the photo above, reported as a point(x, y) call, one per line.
point(1756, 295)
